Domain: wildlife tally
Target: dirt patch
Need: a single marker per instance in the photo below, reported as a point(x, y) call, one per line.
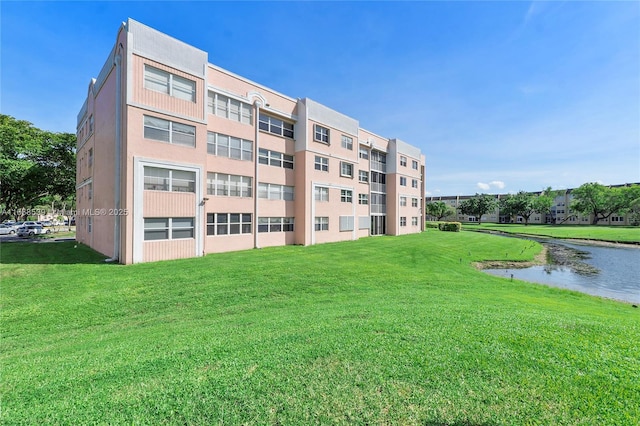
point(539, 259)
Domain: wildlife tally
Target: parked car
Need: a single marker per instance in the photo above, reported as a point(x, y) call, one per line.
point(46, 223)
point(31, 230)
point(7, 229)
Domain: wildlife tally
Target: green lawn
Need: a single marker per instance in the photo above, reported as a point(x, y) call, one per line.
point(385, 330)
point(623, 234)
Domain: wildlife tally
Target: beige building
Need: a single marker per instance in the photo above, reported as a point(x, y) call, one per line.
point(178, 158)
point(561, 212)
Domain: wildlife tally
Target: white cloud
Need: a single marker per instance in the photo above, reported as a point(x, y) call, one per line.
point(484, 186)
point(495, 184)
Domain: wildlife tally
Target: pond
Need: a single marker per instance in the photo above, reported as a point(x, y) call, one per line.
point(605, 271)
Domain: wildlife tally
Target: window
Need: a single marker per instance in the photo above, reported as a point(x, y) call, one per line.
point(90, 156)
point(403, 161)
point(230, 147)
point(272, 191)
point(347, 142)
point(169, 131)
point(222, 184)
point(363, 176)
point(275, 224)
point(346, 196)
point(90, 191)
point(171, 84)
point(320, 134)
point(232, 109)
point(157, 179)
point(403, 201)
point(414, 202)
point(403, 181)
point(89, 224)
point(414, 183)
point(363, 199)
point(414, 164)
point(346, 223)
point(363, 153)
point(91, 124)
point(274, 158)
point(321, 163)
point(275, 126)
point(414, 221)
point(403, 221)
point(321, 223)
point(346, 169)
point(229, 223)
point(168, 228)
point(321, 193)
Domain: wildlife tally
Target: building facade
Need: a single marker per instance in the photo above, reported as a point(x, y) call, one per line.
point(560, 213)
point(178, 158)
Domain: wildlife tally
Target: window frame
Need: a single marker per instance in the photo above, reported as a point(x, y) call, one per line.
point(245, 154)
point(241, 225)
point(276, 224)
point(321, 163)
point(321, 223)
point(169, 228)
point(321, 134)
point(403, 181)
point(268, 157)
point(346, 196)
point(276, 126)
point(171, 131)
point(349, 169)
point(321, 193)
point(363, 176)
point(363, 199)
point(172, 80)
point(274, 188)
point(228, 185)
point(347, 142)
point(169, 181)
point(403, 161)
point(221, 106)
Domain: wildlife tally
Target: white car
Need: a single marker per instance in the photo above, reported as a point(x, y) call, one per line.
point(31, 230)
point(7, 229)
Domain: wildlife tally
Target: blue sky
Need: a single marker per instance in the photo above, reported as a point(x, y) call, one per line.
point(499, 96)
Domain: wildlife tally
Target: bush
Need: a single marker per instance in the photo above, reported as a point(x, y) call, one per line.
point(434, 225)
point(450, 226)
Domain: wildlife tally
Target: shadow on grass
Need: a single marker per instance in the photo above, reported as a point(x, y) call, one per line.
point(48, 252)
point(458, 423)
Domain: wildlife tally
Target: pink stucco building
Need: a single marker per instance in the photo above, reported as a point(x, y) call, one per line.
point(178, 158)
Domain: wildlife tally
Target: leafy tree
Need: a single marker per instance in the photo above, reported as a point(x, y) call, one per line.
point(33, 164)
point(632, 208)
point(478, 205)
point(520, 204)
point(542, 203)
point(439, 210)
point(599, 200)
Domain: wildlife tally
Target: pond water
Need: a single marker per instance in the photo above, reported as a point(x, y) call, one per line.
point(617, 275)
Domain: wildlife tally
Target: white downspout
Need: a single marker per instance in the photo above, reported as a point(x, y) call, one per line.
point(256, 162)
point(118, 160)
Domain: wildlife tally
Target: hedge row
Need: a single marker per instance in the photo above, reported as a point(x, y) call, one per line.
point(450, 226)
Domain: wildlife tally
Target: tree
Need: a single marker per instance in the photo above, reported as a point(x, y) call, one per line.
point(439, 210)
point(598, 200)
point(478, 205)
point(33, 164)
point(542, 203)
point(520, 204)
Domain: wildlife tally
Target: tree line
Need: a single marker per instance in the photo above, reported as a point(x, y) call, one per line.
point(37, 169)
point(590, 199)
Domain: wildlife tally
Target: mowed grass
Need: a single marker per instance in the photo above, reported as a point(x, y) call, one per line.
point(622, 234)
point(385, 330)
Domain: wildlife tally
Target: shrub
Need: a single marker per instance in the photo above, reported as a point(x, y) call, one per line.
point(450, 226)
point(434, 225)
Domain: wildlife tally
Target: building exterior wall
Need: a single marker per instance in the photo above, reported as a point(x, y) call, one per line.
point(194, 159)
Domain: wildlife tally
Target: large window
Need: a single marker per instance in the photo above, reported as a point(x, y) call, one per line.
point(158, 179)
point(274, 158)
point(403, 221)
point(363, 199)
point(403, 201)
point(346, 169)
point(229, 146)
point(228, 223)
point(403, 161)
point(363, 176)
point(414, 202)
point(171, 84)
point(222, 184)
point(414, 164)
point(414, 183)
point(321, 193)
point(275, 126)
point(347, 142)
point(232, 109)
point(346, 196)
point(168, 228)
point(320, 134)
point(272, 191)
point(403, 181)
point(275, 224)
point(363, 153)
point(321, 223)
point(321, 163)
point(169, 131)
point(414, 221)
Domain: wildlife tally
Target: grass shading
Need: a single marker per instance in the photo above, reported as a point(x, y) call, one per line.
point(621, 234)
point(385, 330)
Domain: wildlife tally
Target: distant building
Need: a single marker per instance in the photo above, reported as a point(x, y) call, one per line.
point(560, 211)
point(178, 158)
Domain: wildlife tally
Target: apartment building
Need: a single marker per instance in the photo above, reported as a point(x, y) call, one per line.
point(179, 158)
point(560, 213)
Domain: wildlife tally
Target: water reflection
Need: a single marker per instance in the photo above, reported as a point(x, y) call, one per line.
point(612, 272)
